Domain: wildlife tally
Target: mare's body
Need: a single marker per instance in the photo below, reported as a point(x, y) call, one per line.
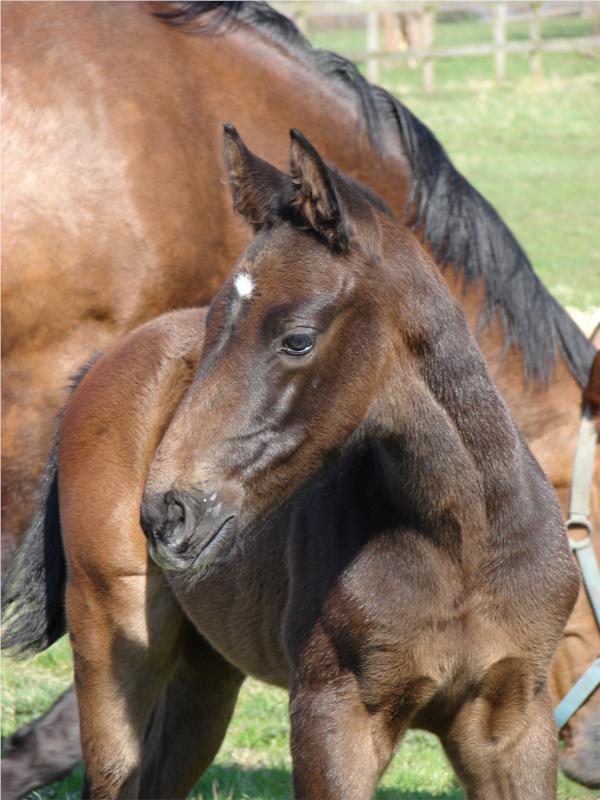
point(92, 248)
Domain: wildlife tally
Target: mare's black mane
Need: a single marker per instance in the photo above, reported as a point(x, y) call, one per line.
point(459, 225)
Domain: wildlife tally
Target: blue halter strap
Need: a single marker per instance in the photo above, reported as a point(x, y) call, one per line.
point(579, 519)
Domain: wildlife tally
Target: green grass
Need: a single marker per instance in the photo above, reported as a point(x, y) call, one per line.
point(532, 149)
point(29, 687)
point(254, 761)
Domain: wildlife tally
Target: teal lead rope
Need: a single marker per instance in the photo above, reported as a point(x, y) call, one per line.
point(577, 694)
point(579, 517)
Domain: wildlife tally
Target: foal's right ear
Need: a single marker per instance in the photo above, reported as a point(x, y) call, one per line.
point(258, 188)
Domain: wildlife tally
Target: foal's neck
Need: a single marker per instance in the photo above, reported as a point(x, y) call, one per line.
point(454, 461)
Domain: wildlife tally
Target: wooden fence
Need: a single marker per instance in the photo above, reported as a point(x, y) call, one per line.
point(373, 13)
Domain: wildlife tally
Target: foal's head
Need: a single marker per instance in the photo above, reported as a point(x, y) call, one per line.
point(299, 345)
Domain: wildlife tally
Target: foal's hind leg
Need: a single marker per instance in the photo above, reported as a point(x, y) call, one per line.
point(190, 720)
point(505, 748)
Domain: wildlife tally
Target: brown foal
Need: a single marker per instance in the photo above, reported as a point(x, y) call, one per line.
point(335, 499)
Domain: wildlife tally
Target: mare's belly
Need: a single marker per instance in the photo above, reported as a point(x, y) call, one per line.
point(239, 607)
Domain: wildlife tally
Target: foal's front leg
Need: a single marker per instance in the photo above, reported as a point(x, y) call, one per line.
point(339, 748)
point(505, 746)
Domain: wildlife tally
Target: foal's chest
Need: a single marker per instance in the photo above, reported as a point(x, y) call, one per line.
point(404, 633)
point(405, 620)
point(239, 608)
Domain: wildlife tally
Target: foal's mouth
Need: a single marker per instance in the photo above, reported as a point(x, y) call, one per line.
point(209, 550)
point(211, 547)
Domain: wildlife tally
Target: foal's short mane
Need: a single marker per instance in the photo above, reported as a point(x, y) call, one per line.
point(459, 225)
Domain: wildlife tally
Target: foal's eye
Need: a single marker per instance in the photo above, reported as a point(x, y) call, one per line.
point(298, 344)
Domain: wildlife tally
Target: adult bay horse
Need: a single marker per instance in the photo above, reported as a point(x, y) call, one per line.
point(335, 499)
point(113, 212)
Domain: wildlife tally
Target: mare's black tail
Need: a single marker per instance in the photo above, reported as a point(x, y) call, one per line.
point(33, 604)
point(33, 590)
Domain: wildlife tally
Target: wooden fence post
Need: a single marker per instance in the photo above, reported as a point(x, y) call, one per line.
point(390, 34)
point(372, 45)
point(535, 35)
point(427, 25)
point(499, 35)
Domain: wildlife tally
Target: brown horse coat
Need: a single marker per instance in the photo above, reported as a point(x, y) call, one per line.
point(91, 248)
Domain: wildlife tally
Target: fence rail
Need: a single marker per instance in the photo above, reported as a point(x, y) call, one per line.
point(372, 14)
point(582, 44)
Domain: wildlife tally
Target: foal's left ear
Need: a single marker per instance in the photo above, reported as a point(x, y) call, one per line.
point(258, 188)
point(317, 198)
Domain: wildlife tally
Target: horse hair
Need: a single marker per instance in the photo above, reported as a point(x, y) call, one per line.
point(33, 603)
point(460, 226)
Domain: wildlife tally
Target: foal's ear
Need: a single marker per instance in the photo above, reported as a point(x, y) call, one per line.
point(258, 188)
point(316, 197)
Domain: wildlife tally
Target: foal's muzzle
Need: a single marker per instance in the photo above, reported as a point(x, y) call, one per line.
point(187, 530)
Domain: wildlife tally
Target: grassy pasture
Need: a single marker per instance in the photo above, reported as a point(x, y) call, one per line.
point(533, 150)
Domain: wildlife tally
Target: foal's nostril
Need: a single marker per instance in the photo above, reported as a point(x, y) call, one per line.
point(173, 526)
point(175, 512)
point(163, 517)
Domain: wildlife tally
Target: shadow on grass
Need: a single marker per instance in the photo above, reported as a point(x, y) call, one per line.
point(232, 782)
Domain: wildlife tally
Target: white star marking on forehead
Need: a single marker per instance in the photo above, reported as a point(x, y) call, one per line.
point(244, 284)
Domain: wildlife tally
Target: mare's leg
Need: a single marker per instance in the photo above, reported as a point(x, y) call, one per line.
point(505, 746)
point(126, 634)
point(43, 751)
point(340, 749)
point(190, 720)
